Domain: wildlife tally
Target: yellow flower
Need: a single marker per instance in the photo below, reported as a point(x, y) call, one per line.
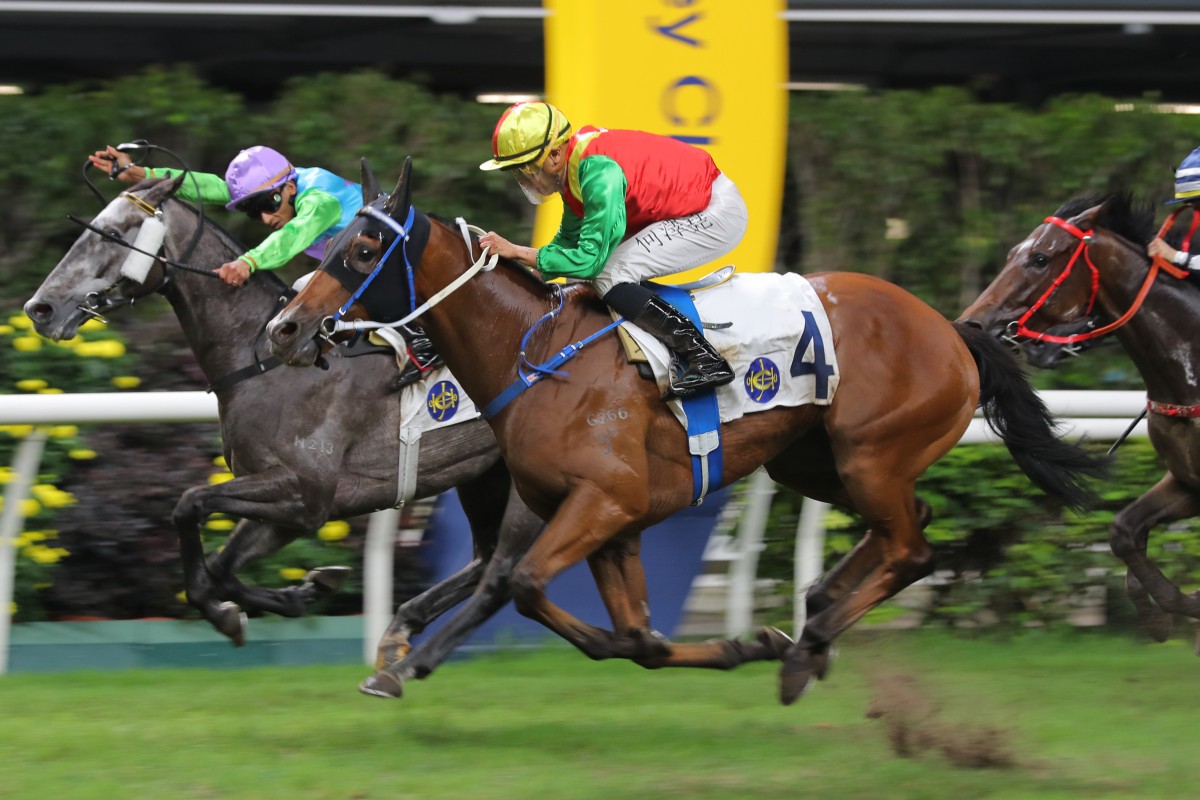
point(219, 477)
point(81, 454)
point(334, 530)
point(293, 573)
point(20, 322)
point(12, 608)
point(69, 343)
point(181, 597)
point(126, 382)
point(6, 474)
point(50, 391)
point(220, 524)
point(17, 431)
point(51, 496)
point(30, 507)
point(31, 384)
point(108, 348)
point(220, 461)
point(45, 555)
point(64, 431)
point(93, 324)
point(27, 344)
point(5, 330)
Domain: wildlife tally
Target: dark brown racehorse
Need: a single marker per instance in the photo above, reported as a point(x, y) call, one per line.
point(1090, 257)
point(910, 384)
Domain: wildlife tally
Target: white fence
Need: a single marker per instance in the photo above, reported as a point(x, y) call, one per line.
point(1101, 416)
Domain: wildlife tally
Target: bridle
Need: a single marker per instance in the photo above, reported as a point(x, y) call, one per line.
point(1019, 328)
point(94, 302)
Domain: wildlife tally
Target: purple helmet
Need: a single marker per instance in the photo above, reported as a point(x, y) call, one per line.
point(256, 170)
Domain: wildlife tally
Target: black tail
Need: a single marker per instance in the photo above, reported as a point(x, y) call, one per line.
point(1020, 418)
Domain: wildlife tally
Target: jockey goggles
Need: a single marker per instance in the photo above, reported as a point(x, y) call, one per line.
point(256, 205)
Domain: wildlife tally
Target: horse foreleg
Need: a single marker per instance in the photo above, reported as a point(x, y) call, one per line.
point(584, 523)
point(414, 615)
point(255, 539)
point(518, 528)
point(1152, 593)
point(255, 496)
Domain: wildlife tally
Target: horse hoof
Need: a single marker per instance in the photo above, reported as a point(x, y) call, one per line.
point(327, 579)
point(382, 684)
point(775, 640)
point(795, 676)
point(231, 622)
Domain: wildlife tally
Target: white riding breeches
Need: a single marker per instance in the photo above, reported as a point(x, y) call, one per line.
point(675, 245)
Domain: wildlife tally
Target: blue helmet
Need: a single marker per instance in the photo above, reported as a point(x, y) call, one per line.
point(1187, 179)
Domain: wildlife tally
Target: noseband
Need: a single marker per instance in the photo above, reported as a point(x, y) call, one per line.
point(1019, 327)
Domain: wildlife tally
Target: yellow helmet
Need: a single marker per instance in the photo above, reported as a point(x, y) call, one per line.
point(525, 133)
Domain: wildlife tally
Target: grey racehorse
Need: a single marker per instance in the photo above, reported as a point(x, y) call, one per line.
point(305, 446)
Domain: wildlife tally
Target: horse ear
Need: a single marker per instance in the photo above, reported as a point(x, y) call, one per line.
point(164, 189)
point(370, 186)
point(402, 194)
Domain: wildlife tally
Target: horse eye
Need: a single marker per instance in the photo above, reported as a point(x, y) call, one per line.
point(1039, 260)
point(113, 232)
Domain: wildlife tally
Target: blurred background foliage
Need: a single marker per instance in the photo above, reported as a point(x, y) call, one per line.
point(928, 189)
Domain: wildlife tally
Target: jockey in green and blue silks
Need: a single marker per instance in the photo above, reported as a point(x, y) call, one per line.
point(305, 206)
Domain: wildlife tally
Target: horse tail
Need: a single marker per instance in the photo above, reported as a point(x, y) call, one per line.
point(1019, 417)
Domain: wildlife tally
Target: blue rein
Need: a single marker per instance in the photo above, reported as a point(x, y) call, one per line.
point(529, 373)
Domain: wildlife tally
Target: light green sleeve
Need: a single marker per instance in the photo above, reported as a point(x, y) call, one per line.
point(581, 248)
point(316, 212)
point(213, 189)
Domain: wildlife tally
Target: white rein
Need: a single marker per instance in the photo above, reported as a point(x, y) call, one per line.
point(482, 263)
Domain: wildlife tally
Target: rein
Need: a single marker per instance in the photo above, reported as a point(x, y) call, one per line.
point(1085, 240)
point(335, 324)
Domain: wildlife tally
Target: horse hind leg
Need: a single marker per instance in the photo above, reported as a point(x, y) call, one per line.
point(1154, 596)
point(902, 556)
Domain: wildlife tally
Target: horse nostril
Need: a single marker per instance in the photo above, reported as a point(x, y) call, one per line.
point(39, 312)
point(282, 331)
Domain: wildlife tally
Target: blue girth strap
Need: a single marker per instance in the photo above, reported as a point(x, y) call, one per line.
point(703, 414)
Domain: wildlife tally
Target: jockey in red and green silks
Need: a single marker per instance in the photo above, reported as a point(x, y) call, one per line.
point(637, 205)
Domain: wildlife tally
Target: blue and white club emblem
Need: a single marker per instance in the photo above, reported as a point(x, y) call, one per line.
point(762, 380)
point(442, 401)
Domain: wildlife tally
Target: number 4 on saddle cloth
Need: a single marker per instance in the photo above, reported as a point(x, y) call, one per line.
point(773, 331)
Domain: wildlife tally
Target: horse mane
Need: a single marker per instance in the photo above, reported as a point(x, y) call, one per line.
point(277, 284)
point(1120, 213)
point(519, 268)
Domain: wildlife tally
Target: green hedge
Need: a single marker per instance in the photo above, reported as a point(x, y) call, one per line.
point(957, 182)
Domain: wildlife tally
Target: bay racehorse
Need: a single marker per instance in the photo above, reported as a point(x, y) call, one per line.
point(305, 446)
point(911, 383)
point(1089, 258)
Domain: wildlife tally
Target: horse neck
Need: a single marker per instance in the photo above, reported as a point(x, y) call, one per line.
point(1163, 337)
point(478, 329)
point(220, 322)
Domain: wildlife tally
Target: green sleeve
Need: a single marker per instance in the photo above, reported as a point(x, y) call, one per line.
point(213, 189)
point(316, 212)
point(581, 248)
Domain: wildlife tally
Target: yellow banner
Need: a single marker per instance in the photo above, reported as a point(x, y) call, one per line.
point(707, 72)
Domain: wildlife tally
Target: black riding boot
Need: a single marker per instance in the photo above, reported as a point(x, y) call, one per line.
point(421, 356)
point(704, 368)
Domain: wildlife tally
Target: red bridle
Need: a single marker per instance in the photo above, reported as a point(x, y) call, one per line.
point(1085, 238)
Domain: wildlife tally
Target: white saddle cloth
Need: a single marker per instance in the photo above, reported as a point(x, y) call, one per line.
point(766, 312)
